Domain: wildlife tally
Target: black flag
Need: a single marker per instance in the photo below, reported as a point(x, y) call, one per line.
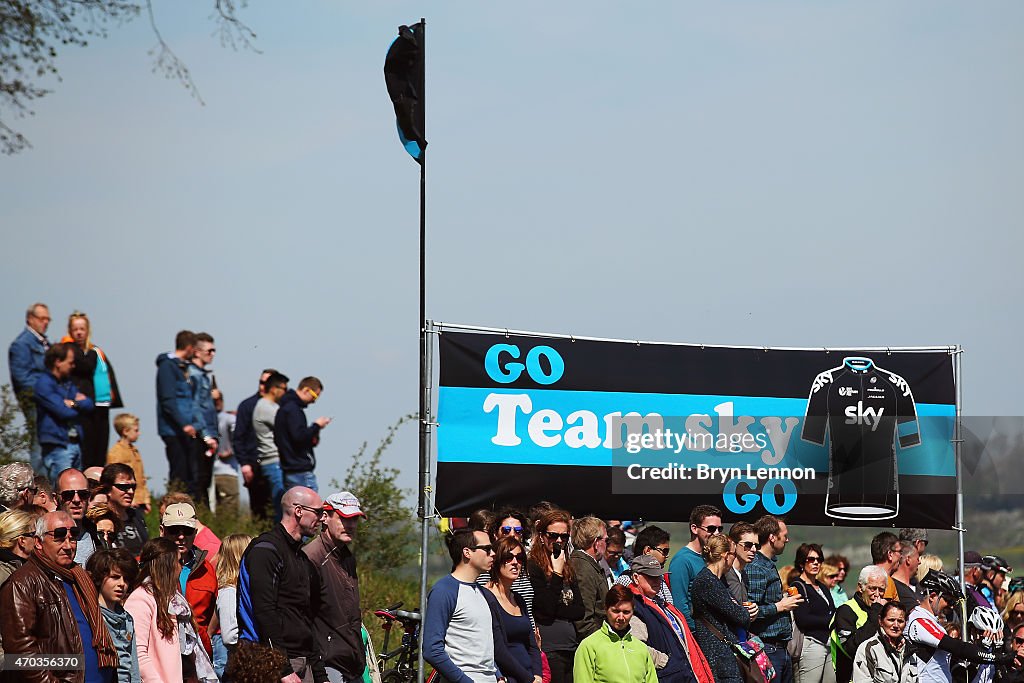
point(403, 74)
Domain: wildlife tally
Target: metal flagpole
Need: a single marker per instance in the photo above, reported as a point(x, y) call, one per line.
point(958, 440)
point(423, 508)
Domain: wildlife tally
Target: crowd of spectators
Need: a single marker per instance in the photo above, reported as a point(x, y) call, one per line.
point(610, 608)
point(532, 597)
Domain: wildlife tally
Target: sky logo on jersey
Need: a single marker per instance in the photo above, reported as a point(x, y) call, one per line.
point(859, 415)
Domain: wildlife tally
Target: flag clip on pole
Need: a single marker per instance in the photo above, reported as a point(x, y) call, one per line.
point(405, 77)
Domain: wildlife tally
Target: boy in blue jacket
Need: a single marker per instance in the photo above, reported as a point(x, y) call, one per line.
point(58, 407)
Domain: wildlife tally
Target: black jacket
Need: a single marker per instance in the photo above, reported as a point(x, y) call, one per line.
point(294, 438)
point(850, 636)
point(243, 441)
point(275, 583)
point(814, 615)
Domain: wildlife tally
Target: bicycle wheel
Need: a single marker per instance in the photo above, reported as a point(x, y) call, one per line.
point(399, 677)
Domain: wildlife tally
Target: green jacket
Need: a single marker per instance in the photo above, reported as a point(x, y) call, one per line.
point(604, 657)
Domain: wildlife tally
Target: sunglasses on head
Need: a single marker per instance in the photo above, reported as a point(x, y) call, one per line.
point(511, 529)
point(552, 536)
point(126, 486)
point(69, 495)
point(63, 533)
point(180, 530)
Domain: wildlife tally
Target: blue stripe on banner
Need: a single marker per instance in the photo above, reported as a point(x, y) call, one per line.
point(411, 146)
point(906, 428)
point(538, 427)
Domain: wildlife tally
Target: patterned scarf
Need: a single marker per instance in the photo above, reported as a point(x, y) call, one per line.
point(88, 600)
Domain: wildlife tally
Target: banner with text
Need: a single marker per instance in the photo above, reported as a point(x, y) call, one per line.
point(630, 430)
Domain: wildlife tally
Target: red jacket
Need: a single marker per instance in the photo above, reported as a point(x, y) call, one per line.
point(201, 593)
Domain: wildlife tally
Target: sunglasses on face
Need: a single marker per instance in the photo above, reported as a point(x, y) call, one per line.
point(1018, 640)
point(749, 545)
point(108, 535)
point(126, 487)
point(514, 557)
point(711, 529)
point(511, 529)
point(486, 548)
point(63, 533)
point(69, 495)
point(175, 531)
point(552, 536)
point(812, 560)
point(664, 551)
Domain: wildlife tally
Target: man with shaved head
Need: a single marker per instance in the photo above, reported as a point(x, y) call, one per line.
point(73, 498)
point(275, 588)
point(50, 606)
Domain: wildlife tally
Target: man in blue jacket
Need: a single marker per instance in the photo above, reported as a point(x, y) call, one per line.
point(294, 438)
point(58, 407)
point(25, 359)
point(175, 414)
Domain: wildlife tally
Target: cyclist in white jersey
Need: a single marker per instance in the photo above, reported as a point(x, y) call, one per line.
point(932, 645)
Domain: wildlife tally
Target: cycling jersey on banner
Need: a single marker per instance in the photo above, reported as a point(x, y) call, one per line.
point(864, 409)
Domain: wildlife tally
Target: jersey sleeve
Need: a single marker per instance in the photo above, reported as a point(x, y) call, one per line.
point(924, 632)
point(816, 417)
point(908, 431)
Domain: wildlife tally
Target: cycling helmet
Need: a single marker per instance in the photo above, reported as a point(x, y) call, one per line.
point(986, 619)
point(939, 582)
point(1016, 584)
point(994, 562)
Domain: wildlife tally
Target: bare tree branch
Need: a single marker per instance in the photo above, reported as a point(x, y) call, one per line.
point(168, 63)
point(230, 29)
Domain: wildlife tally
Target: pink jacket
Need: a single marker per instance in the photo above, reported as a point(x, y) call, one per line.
point(159, 659)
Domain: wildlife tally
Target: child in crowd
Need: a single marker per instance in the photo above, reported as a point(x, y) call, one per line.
point(124, 451)
point(113, 571)
point(228, 561)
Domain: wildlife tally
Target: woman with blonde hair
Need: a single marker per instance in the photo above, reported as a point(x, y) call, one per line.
point(928, 561)
point(17, 540)
point(94, 376)
point(716, 614)
point(225, 639)
point(166, 637)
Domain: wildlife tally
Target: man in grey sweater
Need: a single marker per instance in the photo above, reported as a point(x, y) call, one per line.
point(263, 416)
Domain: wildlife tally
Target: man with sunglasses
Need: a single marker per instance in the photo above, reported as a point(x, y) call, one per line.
point(275, 588)
point(653, 541)
point(705, 522)
point(338, 623)
point(744, 536)
point(49, 606)
point(119, 481)
point(458, 638)
point(205, 414)
point(73, 496)
point(295, 438)
point(198, 578)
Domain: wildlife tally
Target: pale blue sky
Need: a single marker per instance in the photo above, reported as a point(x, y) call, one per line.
point(789, 173)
